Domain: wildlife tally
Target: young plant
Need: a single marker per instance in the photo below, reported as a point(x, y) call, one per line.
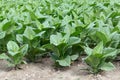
point(15, 54)
point(61, 47)
point(31, 38)
point(99, 58)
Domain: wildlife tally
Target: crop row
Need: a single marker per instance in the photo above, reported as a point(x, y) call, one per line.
point(62, 29)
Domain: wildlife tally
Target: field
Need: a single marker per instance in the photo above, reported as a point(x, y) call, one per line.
point(59, 39)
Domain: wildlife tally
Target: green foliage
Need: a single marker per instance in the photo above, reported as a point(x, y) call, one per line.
point(97, 57)
point(15, 54)
point(61, 46)
point(61, 28)
point(31, 38)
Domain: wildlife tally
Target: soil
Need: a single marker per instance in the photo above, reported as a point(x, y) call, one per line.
point(45, 71)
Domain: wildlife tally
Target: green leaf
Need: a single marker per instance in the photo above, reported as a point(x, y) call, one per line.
point(56, 39)
point(65, 38)
point(94, 60)
point(102, 36)
point(17, 58)
point(24, 49)
point(98, 48)
point(88, 50)
point(19, 38)
point(69, 29)
point(74, 57)
point(12, 47)
point(110, 52)
point(29, 33)
point(2, 34)
point(107, 66)
point(52, 48)
point(4, 56)
point(40, 34)
point(6, 25)
point(74, 40)
point(66, 20)
point(39, 25)
point(65, 62)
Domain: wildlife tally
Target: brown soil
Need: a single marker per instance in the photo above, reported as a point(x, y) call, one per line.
point(45, 71)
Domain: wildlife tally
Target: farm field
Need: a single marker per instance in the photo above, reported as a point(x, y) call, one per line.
point(59, 39)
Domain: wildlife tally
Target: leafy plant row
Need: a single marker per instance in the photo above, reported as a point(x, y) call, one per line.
point(64, 29)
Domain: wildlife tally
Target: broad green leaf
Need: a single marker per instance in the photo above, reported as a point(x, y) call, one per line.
point(94, 60)
point(65, 62)
point(29, 7)
point(74, 57)
point(75, 15)
point(107, 66)
point(88, 50)
point(102, 36)
point(19, 38)
point(110, 52)
point(56, 39)
point(12, 47)
point(23, 49)
point(3, 56)
point(40, 34)
point(98, 48)
point(39, 25)
point(66, 20)
point(74, 40)
point(52, 48)
point(2, 34)
point(8, 27)
point(17, 58)
point(29, 33)
point(69, 29)
point(91, 25)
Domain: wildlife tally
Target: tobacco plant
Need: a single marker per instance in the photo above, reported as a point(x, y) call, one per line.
point(61, 47)
point(15, 54)
point(31, 38)
point(99, 58)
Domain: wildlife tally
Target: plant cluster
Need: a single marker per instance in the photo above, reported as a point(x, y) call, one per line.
point(64, 29)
